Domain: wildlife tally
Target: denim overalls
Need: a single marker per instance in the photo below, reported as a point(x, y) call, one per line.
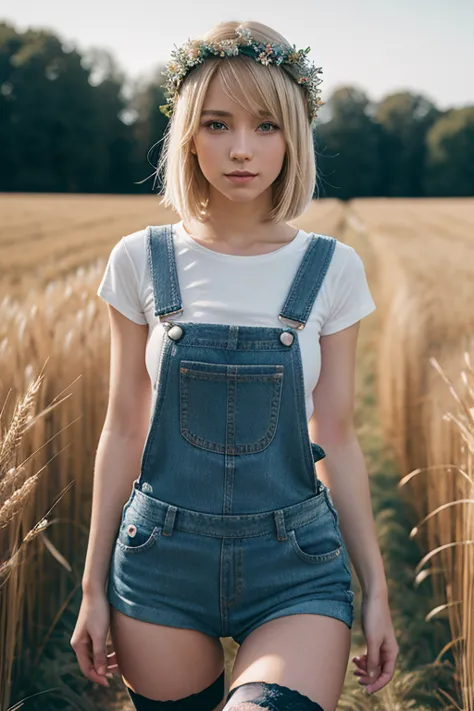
point(227, 525)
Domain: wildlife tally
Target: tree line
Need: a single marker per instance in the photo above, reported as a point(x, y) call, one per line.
point(72, 122)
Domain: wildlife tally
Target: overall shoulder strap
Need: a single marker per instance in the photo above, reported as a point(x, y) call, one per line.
point(162, 264)
point(308, 280)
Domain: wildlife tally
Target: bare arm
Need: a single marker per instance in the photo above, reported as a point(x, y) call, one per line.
point(120, 446)
point(343, 470)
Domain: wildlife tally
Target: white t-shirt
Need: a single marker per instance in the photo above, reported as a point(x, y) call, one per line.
point(238, 290)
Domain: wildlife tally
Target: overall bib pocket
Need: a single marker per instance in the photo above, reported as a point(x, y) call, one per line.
point(230, 409)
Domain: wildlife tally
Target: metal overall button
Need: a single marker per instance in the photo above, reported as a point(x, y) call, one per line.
point(137, 536)
point(286, 338)
point(175, 333)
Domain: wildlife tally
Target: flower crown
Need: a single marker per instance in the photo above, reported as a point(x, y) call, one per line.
point(194, 52)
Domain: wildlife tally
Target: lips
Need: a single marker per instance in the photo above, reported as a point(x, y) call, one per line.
point(242, 175)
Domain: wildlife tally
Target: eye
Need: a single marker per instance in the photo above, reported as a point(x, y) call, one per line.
point(269, 123)
point(211, 123)
point(266, 123)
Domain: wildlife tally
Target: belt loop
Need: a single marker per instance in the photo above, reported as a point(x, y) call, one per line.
point(232, 336)
point(168, 525)
point(279, 517)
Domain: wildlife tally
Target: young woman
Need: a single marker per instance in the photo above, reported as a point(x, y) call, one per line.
point(247, 329)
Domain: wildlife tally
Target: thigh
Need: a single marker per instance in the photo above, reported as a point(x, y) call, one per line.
point(164, 663)
point(306, 652)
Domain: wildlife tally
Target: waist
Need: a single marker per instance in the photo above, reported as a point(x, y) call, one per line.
point(169, 516)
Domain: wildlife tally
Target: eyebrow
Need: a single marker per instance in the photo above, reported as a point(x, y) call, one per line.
point(216, 112)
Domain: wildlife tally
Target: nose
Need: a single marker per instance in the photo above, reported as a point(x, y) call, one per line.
point(241, 146)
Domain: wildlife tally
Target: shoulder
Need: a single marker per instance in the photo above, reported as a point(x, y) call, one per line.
point(346, 273)
point(345, 259)
point(121, 281)
point(134, 243)
point(345, 292)
point(134, 246)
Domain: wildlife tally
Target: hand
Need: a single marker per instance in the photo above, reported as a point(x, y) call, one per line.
point(89, 640)
point(382, 647)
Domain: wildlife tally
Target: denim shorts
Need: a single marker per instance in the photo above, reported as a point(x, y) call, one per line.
point(226, 575)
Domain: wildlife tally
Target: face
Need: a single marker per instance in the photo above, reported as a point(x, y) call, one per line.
point(235, 140)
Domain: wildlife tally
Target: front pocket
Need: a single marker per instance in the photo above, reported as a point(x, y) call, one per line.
point(316, 541)
point(136, 534)
point(227, 408)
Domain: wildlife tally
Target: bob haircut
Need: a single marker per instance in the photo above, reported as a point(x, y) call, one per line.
point(255, 88)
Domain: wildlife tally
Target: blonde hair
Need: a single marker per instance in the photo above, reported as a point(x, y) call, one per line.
point(254, 87)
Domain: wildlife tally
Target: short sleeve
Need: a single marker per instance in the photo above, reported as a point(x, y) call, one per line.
point(351, 299)
point(119, 285)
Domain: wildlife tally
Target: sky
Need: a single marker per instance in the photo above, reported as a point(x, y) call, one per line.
point(379, 46)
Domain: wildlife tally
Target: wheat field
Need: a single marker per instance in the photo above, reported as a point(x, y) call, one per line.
point(414, 412)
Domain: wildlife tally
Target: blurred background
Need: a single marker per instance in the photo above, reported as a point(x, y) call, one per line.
point(80, 86)
point(80, 136)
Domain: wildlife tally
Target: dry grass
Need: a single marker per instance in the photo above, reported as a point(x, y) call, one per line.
point(452, 558)
point(418, 256)
point(424, 252)
point(18, 485)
